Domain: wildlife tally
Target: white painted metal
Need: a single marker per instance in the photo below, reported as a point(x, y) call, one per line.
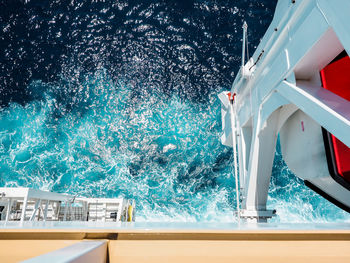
point(99, 209)
point(82, 252)
point(226, 138)
point(28, 202)
point(234, 143)
point(302, 135)
point(282, 78)
point(38, 205)
point(329, 110)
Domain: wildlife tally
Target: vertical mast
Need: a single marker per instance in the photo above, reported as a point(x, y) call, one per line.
point(244, 44)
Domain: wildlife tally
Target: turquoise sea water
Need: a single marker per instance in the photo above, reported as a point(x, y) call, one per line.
point(162, 151)
point(120, 99)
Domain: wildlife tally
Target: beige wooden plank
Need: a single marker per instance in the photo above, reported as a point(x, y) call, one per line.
point(203, 251)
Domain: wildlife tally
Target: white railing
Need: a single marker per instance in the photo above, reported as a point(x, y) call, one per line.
point(25, 204)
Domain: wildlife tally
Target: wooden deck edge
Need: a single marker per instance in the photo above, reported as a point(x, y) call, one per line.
point(111, 234)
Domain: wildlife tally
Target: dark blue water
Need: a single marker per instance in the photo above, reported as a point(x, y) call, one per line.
point(119, 98)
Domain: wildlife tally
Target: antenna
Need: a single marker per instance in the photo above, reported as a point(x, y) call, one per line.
point(245, 43)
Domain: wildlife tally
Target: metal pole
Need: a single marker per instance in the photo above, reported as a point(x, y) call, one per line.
point(24, 207)
point(9, 206)
point(234, 145)
point(36, 207)
point(245, 28)
point(46, 208)
point(66, 210)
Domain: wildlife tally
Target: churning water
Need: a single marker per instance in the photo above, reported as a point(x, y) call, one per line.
point(119, 98)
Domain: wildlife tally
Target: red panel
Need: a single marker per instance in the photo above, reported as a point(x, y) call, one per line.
point(342, 158)
point(336, 78)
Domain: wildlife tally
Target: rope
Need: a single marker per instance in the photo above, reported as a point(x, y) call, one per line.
point(259, 57)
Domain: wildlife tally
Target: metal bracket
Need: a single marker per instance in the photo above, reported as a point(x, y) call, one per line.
point(257, 215)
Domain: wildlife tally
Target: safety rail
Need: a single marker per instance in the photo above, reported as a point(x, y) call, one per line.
point(26, 204)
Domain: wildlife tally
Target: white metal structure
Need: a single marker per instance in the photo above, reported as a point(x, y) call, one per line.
point(278, 92)
point(84, 251)
point(25, 204)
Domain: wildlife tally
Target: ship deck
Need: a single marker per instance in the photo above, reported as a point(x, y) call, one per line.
point(172, 242)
